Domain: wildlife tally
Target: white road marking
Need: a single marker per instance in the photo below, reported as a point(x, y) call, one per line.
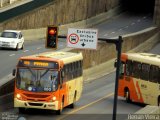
point(133, 23)
point(106, 35)
point(126, 27)
point(113, 32)
point(119, 29)
point(26, 51)
point(138, 20)
point(39, 48)
point(60, 45)
point(12, 55)
point(144, 17)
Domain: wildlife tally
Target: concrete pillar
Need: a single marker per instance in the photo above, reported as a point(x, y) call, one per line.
point(157, 12)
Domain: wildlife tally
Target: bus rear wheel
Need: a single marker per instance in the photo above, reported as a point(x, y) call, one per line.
point(74, 100)
point(127, 96)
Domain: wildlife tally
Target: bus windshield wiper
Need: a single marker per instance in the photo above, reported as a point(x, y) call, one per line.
point(31, 72)
point(44, 73)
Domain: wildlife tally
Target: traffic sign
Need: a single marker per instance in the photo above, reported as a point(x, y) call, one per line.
point(82, 38)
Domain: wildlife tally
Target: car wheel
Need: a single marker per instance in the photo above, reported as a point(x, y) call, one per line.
point(22, 47)
point(16, 48)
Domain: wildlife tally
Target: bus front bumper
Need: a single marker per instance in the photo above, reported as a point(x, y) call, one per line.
point(38, 104)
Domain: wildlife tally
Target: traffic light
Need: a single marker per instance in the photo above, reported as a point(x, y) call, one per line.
point(52, 37)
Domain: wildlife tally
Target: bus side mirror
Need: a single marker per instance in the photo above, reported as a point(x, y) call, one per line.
point(14, 72)
point(62, 73)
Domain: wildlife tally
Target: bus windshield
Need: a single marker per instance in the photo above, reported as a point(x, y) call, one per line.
point(37, 80)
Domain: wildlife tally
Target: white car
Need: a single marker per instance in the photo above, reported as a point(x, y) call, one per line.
point(11, 39)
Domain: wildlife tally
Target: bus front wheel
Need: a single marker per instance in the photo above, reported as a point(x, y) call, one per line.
point(21, 110)
point(59, 112)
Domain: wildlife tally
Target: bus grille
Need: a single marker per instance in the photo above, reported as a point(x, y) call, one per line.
point(36, 96)
point(36, 100)
point(35, 104)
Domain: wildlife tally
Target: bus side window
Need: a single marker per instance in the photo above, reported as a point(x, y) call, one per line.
point(154, 74)
point(75, 70)
point(79, 68)
point(145, 71)
point(76, 67)
point(136, 69)
point(66, 72)
point(129, 68)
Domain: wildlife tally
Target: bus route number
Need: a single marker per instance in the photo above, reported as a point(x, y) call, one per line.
point(47, 89)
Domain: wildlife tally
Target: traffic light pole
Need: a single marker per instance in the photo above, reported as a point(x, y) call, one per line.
point(118, 43)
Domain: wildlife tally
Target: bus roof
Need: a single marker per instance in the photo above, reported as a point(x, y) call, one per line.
point(148, 58)
point(66, 57)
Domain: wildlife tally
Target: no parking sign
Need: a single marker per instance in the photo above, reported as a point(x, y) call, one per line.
point(82, 38)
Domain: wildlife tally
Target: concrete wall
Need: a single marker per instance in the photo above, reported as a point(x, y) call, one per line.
point(60, 12)
point(66, 11)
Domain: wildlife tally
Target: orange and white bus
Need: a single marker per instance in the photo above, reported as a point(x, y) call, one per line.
point(51, 80)
point(139, 79)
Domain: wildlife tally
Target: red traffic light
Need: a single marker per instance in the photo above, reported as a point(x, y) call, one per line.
point(52, 37)
point(52, 31)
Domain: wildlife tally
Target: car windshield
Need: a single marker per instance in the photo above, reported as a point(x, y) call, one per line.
point(9, 35)
point(37, 80)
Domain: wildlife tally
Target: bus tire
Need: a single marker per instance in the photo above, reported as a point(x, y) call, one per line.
point(21, 110)
point(59, 112)
point(127, 96)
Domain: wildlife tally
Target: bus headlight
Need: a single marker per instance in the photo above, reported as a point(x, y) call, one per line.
point(18, 96)
point(54, 98)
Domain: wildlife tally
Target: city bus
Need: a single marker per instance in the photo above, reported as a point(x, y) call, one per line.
point(51, 80)
point(139, 79)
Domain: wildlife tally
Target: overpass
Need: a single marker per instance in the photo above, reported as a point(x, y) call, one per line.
point(33, 15)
